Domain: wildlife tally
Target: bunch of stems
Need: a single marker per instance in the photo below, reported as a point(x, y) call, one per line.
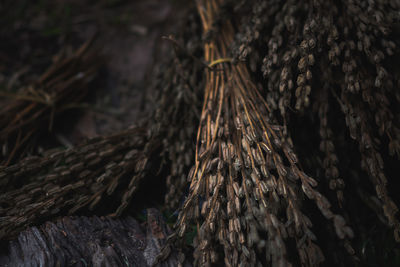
point(246, 182)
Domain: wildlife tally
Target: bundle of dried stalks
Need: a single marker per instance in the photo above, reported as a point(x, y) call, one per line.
point(36, 107)
point(318, 81)
point(334, 62)
point(101, 175)
point(177, 113)
point(246, 186)
point(63, 182)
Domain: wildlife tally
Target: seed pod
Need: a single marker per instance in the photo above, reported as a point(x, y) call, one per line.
point(284, 74)
point(254, 177)
point(304, 45)
point(308, 75)
point(301, 79)
point(214, 162)
point(220, 132)
point(204, 208)
point(257, 155)
point(77, 167)
point(264, 187)
point(291, 156)
point(245, 119)
point(238, 123)
point(237, 205)
point(311, 59)
point(232, 151)
point(302, 64)
point(308, 191)
point(274, 220)
point(221, 180)
point(266, 147)
point(220, 164)
point(282, 87)
point(247, 161)
point(191, 173)
point(213, 129)
point(298, 91)
point(311, 43)
point(248, 183)
point(203, 153)
point(275, 196)
point(90, 156)
point(211, 225)
point(271, 183)
point(251, 133)
point(281, 170)
point(264, 171)
point(245, 145)
point(212, 179)
point(229, 210)
point(182, 229)
point(230, 192)
point(290, 85)
point(237, 164)
point(256, 194)
point(225, 154)
point(236, 188)
point(214, 147)
point(207, 165)
point(226, 130)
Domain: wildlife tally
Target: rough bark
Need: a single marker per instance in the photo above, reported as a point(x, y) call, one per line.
point(91, 241)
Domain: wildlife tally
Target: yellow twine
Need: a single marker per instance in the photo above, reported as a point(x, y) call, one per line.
point(218, 61)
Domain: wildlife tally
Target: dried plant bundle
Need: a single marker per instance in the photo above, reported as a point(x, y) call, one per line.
point(277, 121)
point(35, 107)
point(66, 181)
point(107, 170)
point(246, 186)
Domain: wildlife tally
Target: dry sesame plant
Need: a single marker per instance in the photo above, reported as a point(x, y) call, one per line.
point(277, 121)
point(328, 61)
point(178, 108)
point(349, 48)
point(35, 107)
point(65, 181)
point(246, 185)
point(102, 175)
point(246, 182)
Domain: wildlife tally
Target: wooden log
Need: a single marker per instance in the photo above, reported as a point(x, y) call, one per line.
point(91, 241)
